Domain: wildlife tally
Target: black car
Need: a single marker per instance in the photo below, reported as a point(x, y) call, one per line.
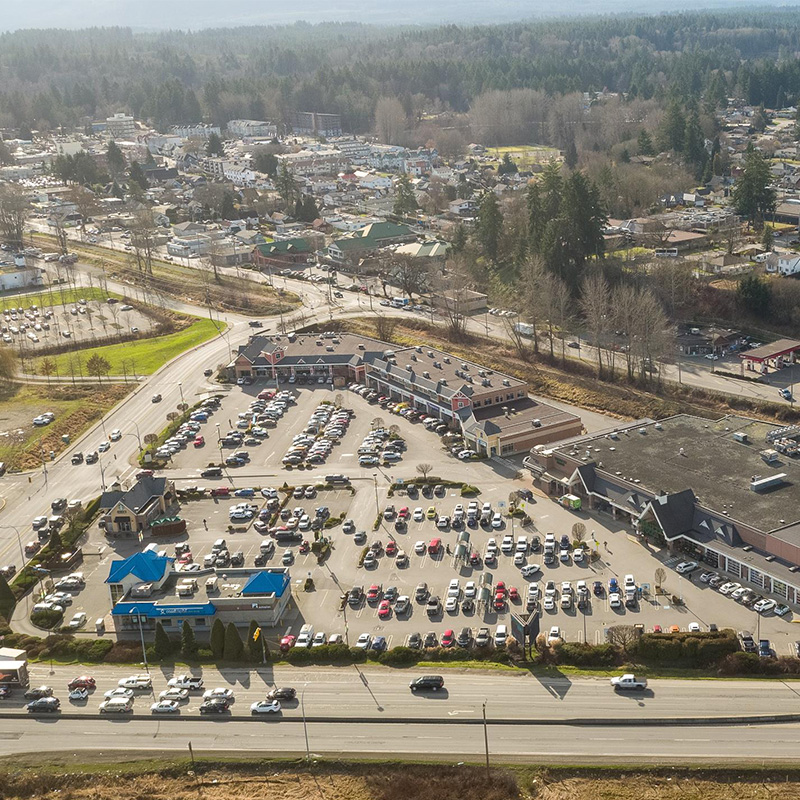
point(38, 692)
point(323, 512)
point(390, 594)
point(415, 641)
point(598, 588)
point(468, 606)
point(439, 490)
point(536, 544)
point(431, 683)
point(427, 491)
point(355, 595)
point(349, 526)
point(50, 704)
point(237, 559)
point(400, 525)
point(412, 490)
point(464, 638)
point(564, 543)
point(261, 559)
point(216, 705)
point(282, 693)
point(5, 692)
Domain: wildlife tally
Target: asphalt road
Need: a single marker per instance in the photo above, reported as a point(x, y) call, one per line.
point(452, 741)
point(372, 693)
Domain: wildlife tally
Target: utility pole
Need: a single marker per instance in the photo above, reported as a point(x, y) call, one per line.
point(486, 739)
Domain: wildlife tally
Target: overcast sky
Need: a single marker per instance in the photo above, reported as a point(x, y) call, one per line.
point(194, 14)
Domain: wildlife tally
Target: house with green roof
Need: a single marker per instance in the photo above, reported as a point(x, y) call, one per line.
point(369, 239)
point(278, 254)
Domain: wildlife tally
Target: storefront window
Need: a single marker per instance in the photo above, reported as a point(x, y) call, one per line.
point(757, 578)
point(779, 588)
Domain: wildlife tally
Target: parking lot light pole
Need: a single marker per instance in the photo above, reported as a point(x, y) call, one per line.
point(135, 610)
point(180, 389)
point(375, 483)
point(486, 738)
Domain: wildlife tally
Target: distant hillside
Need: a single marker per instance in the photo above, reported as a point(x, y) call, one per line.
point(157, 15)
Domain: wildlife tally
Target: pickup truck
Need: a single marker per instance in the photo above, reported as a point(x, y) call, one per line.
point(629, 682)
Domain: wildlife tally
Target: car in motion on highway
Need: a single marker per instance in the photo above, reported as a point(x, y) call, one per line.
point(427, 683)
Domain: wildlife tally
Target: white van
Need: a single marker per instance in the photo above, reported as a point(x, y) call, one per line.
point(100, 626)
point(212, 584)
point(116, 705)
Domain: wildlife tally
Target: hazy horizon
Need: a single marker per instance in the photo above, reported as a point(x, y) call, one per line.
point(199, 14)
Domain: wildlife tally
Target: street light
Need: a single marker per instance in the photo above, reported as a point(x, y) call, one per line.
point(375, 483)
point(305, 726)
point(180, 388)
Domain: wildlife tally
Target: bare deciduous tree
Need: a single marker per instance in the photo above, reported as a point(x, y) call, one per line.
point(14, 209)
point(622, 636)
point(578, 532)
point(596, 307)
point(390, 119)
point(384, 327)
point(660, 576)
point(424, 470)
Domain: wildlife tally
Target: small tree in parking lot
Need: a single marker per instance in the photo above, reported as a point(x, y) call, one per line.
point(233, 645)
point(217, 642)
point(578, 532)
point(188, 641)
point(424, 470)
point(622, 636)
point(660, 577)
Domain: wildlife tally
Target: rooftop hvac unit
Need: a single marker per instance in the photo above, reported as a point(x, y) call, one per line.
point(740, 436)
point(759, 484)
point(537, 423)
point(426, 374)
point(418, 349)
point(613, 435)
point(413, 357)
point(506, 382)
point(447, 359)
point(409, 368)
point(430, 353)
point(658, 426)
point(642, 430)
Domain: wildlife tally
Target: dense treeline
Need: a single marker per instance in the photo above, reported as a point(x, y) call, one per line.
point(52, 78)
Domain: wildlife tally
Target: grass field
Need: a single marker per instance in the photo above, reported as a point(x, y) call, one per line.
point(140, 357)
point(523, 155)
point(75, 407)
point(131, 776)
point(55, 296)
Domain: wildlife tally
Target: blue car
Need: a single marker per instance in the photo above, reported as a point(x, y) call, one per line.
point(613, 586)
point(244, 493)
point(378, 643)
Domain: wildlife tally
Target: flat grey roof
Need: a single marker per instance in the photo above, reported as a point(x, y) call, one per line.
point(699, 454)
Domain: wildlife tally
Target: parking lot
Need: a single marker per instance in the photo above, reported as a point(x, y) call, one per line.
point(619, 553)
point(32, 329)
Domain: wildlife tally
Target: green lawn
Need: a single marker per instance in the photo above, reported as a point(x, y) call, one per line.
point(55, 296)
point(141, 357)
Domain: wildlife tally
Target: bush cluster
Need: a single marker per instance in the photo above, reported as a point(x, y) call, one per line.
point(685, 649)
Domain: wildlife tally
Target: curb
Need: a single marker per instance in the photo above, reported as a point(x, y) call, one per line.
point(760, 719)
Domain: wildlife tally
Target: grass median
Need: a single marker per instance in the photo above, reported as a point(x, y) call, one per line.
point(55, 296)
point(141, 357)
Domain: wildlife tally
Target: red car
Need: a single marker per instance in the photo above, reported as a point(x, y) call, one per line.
point(499, 602)
point(513, 594)
point(385, 609)
point(199, 441)
point(391, 548)
point(305, 546)
point(84, 682)
point(267, 394)
point(500, 588)
point(448, 638)
point(657, 629)
point(435, 546)
point(373, 593)
point(220, 491)
point(287, 643)
point(185, 558)
point(404, 513)
point(475, 560)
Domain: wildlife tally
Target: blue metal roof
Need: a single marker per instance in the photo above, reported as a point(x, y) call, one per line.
point(146, 566)
point(266, 582)
point(156, 610)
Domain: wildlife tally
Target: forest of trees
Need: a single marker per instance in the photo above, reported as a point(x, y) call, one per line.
point(176, 77)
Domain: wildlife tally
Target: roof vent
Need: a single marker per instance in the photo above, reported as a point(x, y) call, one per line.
point(426, 374)
point(658, 426)
point(464, 365)
point(329, 348)
point(613, 435)
point(769, 558)
point(413, 357)
point(747, 548)
point(447, 359)
point(643, 430)
point(430, 353)
point(418, 349)
point(537, 423)
point(506, 382)
point(482, 373)
point(409, 368)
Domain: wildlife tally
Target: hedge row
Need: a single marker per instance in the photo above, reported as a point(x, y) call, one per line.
point(685, 649)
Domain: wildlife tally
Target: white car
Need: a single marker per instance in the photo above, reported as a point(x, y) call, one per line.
point(103, 447)
point(549, 602)
point(729, 588)
point(265, 707)
point(693, 627)
point(497, 520)
point(522, 544)
point(418, 515)
point(142, 681)
point(577, 555)
point(185, 682)
point(686, 566)
point(165, 707)
point(614, 600)
point(554, 635)
point(470, 590)
point(737, 594)
point(765, 606)
point(363, 641)
point(451, 605)
point(78, 621)
point(173, 693)
point(519, 559)
point(453, 590)
point(507, 545)
point(116, 435)
point(530, 569)
point(118, 692)
point(221, 691)
point(491, 546)
point(501, 636)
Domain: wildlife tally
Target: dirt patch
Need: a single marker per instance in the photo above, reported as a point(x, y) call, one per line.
point(340, 781)
point(76, 408)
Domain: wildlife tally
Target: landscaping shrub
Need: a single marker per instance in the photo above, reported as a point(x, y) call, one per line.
point(582, 654)
point(400, 656)
point(47, 618)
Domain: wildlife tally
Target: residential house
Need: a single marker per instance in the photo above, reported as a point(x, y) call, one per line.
point(782, 264)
